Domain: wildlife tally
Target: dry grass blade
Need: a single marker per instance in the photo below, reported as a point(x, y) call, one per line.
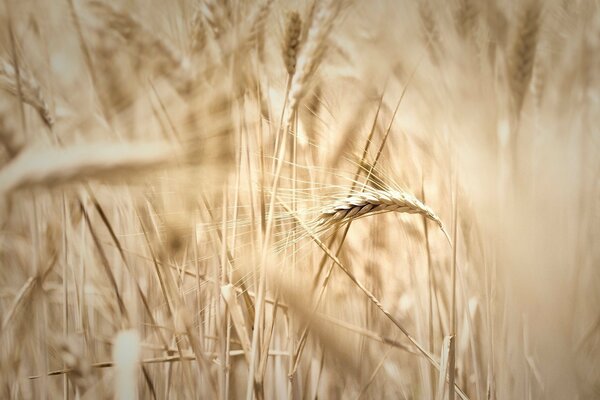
point(374, 374)
point(23, 295)
point(237, 316)
point(155, 360)
point(350, 327)
point(447, 348)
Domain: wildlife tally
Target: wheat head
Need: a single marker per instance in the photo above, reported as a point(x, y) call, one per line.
point(374, 201)
point(31, 91)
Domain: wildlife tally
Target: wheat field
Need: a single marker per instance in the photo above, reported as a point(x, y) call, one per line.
point(300, 199)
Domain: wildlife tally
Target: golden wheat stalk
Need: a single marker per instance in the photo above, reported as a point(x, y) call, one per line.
point(31, 91)
point(374, 201)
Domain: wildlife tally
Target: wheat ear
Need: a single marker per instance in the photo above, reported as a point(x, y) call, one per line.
point(311, 53)
point(466, 18)
point(430, 30)
point(30, 89)
point(373, 201)
point(169, 61)
point(216, 15)
point(198, 34)
point(291, 42)
point(522, 53)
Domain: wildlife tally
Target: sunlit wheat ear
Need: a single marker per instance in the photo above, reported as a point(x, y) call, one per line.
point(31, 91)
point(371, 202)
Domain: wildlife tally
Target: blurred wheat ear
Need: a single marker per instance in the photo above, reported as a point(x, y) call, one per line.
point(27, 87)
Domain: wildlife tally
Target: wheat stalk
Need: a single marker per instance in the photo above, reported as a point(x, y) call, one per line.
point(30, 89)
point(373, 201)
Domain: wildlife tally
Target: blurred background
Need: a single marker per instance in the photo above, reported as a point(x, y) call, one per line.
point(171, 174)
